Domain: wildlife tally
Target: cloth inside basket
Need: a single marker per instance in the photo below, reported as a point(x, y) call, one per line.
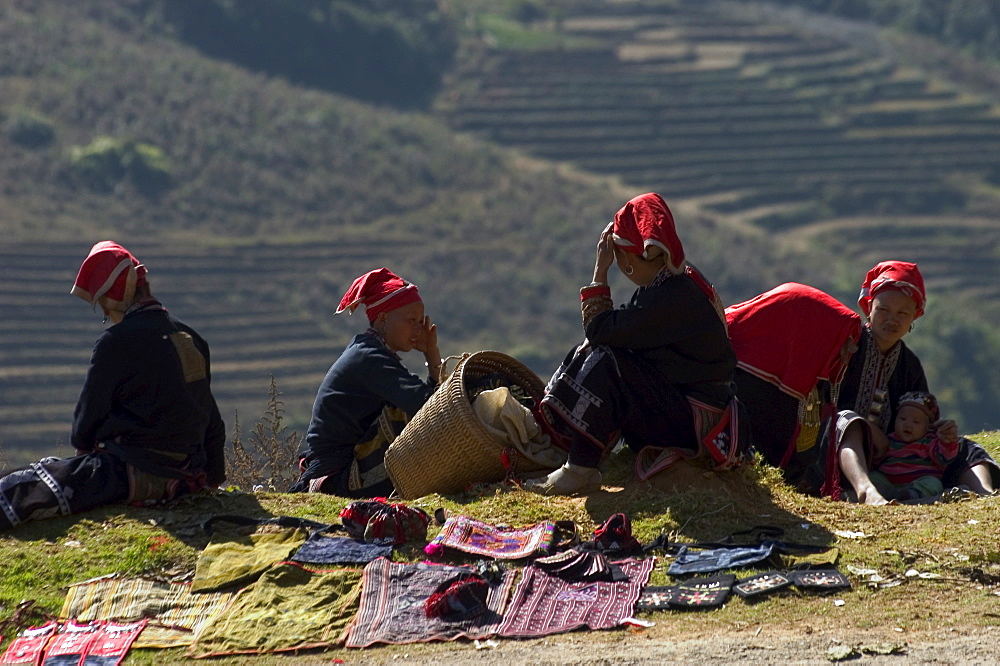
point(506, 418)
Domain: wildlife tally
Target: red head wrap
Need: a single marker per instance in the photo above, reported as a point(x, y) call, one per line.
point(792, 336)
point(893, 276)
point(379, 291)
point(109, 271)
point(646, 220)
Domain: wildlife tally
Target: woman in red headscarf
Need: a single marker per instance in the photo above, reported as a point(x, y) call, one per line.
point(884, 369)
point(793, 344)
point(656, 372)
point(368, 394)
point(146, 426)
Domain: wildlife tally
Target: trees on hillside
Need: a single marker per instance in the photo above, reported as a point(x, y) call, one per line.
point(972, 25)
point(382, 51)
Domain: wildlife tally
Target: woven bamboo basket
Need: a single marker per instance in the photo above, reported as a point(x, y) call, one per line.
point(445, 447)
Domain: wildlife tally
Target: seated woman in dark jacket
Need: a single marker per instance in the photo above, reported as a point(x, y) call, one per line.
point(146, 426)
point(368, 394)
point(656, 372)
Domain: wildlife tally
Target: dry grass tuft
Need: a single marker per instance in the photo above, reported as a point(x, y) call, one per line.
point(268, 460)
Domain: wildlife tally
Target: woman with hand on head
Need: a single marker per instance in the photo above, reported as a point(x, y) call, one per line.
point(656, 372)
point(368, 394)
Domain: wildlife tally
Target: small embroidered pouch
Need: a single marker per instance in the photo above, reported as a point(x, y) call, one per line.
point(708, 592)
point(761, 584)
point(819, 579)
point(655, 597)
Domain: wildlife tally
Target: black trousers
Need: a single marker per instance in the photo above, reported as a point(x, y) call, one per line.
point(61, 486)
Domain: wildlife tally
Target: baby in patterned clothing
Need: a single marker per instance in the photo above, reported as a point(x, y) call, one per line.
point(914, 458)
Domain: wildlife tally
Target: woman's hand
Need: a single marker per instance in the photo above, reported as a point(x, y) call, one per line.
point(605, 256)
point(946, 429)
point(427, 344)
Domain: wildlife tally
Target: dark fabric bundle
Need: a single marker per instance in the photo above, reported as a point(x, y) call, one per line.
point(577, 565)
point(325, 549)
point(460, 598)
point(614, 537)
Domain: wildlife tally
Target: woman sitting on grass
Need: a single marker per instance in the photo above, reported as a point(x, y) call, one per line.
point(884, 369)
point(656, 372)
point(821, 433)
point(146, 427)
point(368, 395)
point(793, 344)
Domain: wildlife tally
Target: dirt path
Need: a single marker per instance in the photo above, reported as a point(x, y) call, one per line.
point(976, 646)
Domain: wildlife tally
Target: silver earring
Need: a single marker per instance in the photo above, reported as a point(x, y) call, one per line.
point(629, 270)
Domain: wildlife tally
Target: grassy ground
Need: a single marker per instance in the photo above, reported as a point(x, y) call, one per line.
point(944, 556)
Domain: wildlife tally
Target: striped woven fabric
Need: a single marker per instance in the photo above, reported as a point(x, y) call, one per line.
point(393, 600)
point(544, 604)
point(175, 614)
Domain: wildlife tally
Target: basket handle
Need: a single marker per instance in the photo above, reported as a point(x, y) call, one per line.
point(444, 372)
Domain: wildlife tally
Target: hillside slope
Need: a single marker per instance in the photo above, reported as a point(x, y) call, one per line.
point(806, 128)
point(278, 196)
point(817, 134)
point(274, 197)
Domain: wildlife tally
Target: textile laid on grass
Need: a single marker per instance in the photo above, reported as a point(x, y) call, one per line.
point(241, 560)
point(325, 549)
point(503, 543)
point(29, 645)
point(291, 607)
point(71, 643)
point(394, 606)
point(174, 613)
point(544, 604)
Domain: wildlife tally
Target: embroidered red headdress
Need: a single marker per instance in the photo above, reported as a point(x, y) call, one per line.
point(379, 291)
point(109, 271)
point(893, 276)
point(792, 336)
point(644, 221)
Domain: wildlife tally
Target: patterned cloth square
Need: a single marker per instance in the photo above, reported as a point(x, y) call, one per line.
point(175, 613)
point(655, 597)
point(393, 605)
point(503, 543)
point(544, 604)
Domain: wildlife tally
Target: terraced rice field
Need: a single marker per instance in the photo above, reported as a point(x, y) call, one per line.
point(802, 135)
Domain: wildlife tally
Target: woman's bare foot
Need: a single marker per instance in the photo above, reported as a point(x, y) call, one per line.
point(871, 496)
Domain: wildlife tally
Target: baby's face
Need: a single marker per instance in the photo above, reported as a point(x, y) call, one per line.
point(911, 423)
